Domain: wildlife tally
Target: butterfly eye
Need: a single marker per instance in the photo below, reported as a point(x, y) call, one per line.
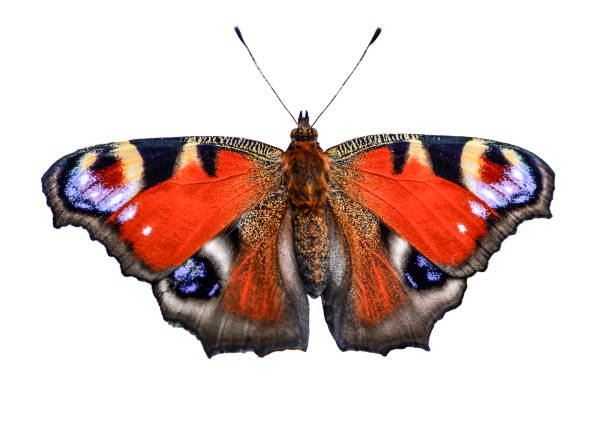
point(195, 278)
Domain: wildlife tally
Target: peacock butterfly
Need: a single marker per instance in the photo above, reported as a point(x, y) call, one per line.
point(233, 234)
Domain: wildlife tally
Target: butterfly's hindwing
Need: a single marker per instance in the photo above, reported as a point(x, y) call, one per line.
point(259, 305)
point(383, 296)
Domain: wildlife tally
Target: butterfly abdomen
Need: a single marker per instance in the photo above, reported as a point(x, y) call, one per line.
point(311, 244)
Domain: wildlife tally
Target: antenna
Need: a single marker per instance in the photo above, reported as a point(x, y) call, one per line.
point(376, 33)
point(261, 72)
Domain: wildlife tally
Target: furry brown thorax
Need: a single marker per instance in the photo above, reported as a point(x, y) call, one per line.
point(305, 167)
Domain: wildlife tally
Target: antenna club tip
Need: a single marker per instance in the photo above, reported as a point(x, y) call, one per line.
point(237, 30)
point(375, 36)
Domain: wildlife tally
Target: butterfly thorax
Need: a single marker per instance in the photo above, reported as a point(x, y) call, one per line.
point(305, 175)
point(305, 169)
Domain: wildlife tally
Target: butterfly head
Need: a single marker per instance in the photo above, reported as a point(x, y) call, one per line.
point(304, 131)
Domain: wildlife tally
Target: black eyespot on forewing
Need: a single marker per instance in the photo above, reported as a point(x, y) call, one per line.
point(195, 278)
point(421, 274)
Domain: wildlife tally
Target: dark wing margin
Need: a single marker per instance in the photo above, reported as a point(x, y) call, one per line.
point(172, 212)
point(442, 206)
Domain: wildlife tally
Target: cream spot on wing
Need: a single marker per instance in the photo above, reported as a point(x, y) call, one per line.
point(131, 163)
point(517, 173)
point(128, 213)
point(470, 157)
point(418, 152)
point(87, 160)
point(478, 209)
point(489, 194)
point(116, 199)
point(189, 154)
point(512, 156)
point(221, 251)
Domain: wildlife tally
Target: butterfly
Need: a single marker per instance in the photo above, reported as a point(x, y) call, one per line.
point(234, 234)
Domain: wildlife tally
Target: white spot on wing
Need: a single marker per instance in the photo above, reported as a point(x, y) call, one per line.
point(398, 250)
point(490, 195)
point(478, 209)
point(221, 252)
point(461, 228)
point(127, 214)
point(146, 231)
point(116, 199)
point(517, 173)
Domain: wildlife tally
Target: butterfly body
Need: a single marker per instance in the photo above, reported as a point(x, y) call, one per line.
point(305, 177)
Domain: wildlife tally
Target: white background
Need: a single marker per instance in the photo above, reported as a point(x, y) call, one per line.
point(85, 350)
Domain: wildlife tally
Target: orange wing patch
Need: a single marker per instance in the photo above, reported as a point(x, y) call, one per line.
point(167, 223)
point(439, 218)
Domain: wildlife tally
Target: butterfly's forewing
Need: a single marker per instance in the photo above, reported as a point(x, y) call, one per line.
point(443, 204)
point(198, 217)
point(453, 198)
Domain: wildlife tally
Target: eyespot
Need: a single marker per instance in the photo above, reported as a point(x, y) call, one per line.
point(421, 274)
point(195, 278)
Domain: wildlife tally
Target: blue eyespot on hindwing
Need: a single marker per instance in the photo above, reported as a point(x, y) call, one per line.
point(195, 278)
point(421, 274)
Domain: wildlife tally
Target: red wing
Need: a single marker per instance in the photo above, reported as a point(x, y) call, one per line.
point(435, 215)
point(449, 197)
point(169, 222)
